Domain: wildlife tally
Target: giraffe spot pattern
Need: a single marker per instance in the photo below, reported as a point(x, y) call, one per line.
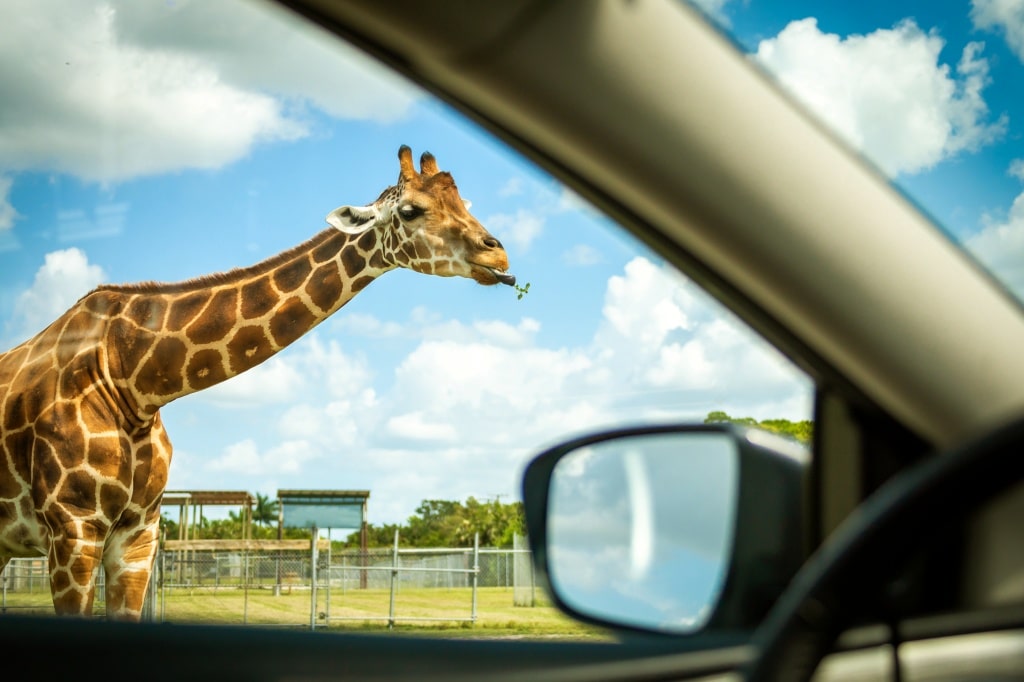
point(258, 298)
point(78, 490)
point(292, 276)
point(247, 348)
point(205, 369)
point(292, 320)
point(147, 312)
point(218, 321)
point(325, 286)
point(184, 309)
point(133, 343)
point(161, 373)
point(353, 261)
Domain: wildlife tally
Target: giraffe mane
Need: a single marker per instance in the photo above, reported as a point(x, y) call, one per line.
point(218, 278)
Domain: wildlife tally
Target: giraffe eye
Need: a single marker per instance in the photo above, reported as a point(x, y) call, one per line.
point(409, 212)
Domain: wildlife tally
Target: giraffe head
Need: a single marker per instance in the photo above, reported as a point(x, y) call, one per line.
point(422, 224)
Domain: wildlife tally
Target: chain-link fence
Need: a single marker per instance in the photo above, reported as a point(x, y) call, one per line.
point(312, 587)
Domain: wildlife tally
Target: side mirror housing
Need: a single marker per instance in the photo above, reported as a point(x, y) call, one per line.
point(668, 529)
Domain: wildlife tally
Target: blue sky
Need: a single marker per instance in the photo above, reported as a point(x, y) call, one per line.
point(163, 140)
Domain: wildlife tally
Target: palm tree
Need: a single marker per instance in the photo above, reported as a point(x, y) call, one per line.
point(265, 513)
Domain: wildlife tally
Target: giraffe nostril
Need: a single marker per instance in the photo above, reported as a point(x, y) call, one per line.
point(492, 243)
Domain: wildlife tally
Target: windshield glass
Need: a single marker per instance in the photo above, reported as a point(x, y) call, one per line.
point(168, 141)
point(928, 91)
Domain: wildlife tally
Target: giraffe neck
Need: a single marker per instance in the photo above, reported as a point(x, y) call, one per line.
point(166, 341)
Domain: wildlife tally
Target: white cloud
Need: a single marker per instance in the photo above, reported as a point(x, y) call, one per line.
point(714, 9)
point(417, 426)
point(7, 213)
point(285, 377)
point(582, 255)
point(64, 277)
point(124, 89)
point(276, 381)
point(1006, 16)
point(519, 229)
point(1000, 244)
point(886, 92)
point(245, 457)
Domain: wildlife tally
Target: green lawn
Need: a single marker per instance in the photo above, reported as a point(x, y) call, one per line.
point(363, 610)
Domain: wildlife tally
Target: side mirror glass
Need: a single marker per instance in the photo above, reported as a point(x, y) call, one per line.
point(640, 528)
point(668, 529)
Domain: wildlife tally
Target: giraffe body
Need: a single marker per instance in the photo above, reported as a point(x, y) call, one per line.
point(84, 457)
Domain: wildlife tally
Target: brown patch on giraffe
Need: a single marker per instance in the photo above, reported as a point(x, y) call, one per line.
point(77, 376)
point(41, 395)
point(15, 413)
point(367, 241)
point(9, 489)
point(409, 249)
point(330, 248)
point(377, 260)
point(144, 460)
point(147, 312)
point(353, 261)
point(79, 330)
point(81, 570)
point(46, 469)
point(60, 580)
point(60, 428)
point(102, 302)
point(205, 369)
point(78, 490)
point(422, 251)
point(258, 298)
point(129, 518)
point(292, 320)
point(185, 309)
point(113, 499)
point(161, 373)
point(325, 286)
point(248, 348)
point(95, 414)
point(100, 451)
point(133, 344)
point(291, 276)
point(217, 320)
point(19, 447)
point(361, 283)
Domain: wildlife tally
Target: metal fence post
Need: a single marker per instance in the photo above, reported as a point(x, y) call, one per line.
point(245, 585)
point(327, 596)
point(394, 577)
point(312, 577)
point(476, 572)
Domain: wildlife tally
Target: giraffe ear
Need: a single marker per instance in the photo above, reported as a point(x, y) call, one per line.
point(467, 203)
point(353, 219)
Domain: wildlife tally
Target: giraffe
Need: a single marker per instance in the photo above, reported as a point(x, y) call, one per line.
point(84, 456)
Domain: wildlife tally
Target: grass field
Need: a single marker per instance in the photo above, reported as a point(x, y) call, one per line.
point(417, 611)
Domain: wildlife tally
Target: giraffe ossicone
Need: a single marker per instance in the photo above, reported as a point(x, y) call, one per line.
point(84, 457)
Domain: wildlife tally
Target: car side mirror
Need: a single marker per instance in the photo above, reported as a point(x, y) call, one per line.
point(671, 529)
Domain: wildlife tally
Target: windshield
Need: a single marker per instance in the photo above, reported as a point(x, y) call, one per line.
point(168, 141)
point(928, 91)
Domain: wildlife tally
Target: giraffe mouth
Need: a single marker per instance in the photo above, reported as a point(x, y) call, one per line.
point(503, 277)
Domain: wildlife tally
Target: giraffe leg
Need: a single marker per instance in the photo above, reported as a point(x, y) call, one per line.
point(74, 558)
point(128, 563)
point(131, 547)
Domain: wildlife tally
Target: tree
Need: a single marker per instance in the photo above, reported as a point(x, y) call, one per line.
point(802, 431)
point(265, 513)
point(446, 523)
